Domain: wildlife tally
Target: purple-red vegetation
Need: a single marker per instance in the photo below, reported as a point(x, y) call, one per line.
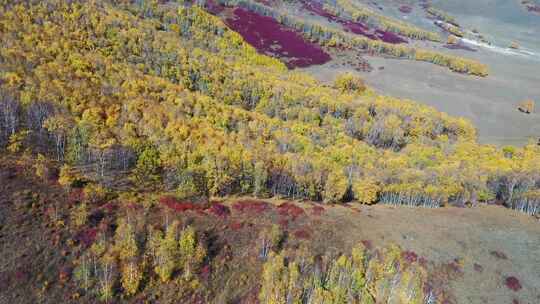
point(64, 273)
point(75, 195)
point(109, 207)
point(214, 8)
point(425, 4)
point(87, 237)
point(271, 38)
point(219, 210)
point(354, 27)
point(317, 8)
point(515, 301)
point(406, 9)
point(368, 244)
point(283, 223)
point(21, 275)
point(317, 210)
point(499, 255)
point(478, 267)
point(512, 283)
point(290, 210)
point(266, 2)
point(302, 234)
point(409, 256)
point(179, 206)
point(205, 272)
point(251, 297)
point(531, 7)
point(460, 46)
point(251, 206)
point(389, 37)
point(235, 226)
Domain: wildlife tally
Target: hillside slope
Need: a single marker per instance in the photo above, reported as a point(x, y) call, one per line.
point(156, 148)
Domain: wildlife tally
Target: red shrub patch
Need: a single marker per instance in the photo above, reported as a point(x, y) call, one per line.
point(64, 274)
point(21, 275)
point(512, 283)
point(302, 234)
point(290, 210)
point(175, 204)
point(499, 255)
point(236, 226)
point(87, 237)
point(283, 223)
point(367, 243)
point(75, 196)
point(219, 210)
point(409, 256)
point(355, 27)
point(109, 207)
point(205, 272)
point(405, 9)
point(269, 37)
point(251, 206)
point(317, 210)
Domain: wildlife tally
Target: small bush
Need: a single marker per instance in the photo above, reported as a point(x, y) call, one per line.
point(349, 83)
point(251, 206)
point(317, 210)
point(177, 205)
point(219, 210)
point(290, 210)
point(512, 283)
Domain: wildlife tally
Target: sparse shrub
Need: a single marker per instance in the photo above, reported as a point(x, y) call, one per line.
point(219, 210)
point(251, 206)
point(317, 210)
point(512, 283)
point(177, 205)
point(350, 83)
point(290, 210)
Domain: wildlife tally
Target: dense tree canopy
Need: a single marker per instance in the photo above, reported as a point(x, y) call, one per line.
point(181, 102)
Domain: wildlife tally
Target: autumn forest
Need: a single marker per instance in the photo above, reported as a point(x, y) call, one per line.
point(161, 103)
